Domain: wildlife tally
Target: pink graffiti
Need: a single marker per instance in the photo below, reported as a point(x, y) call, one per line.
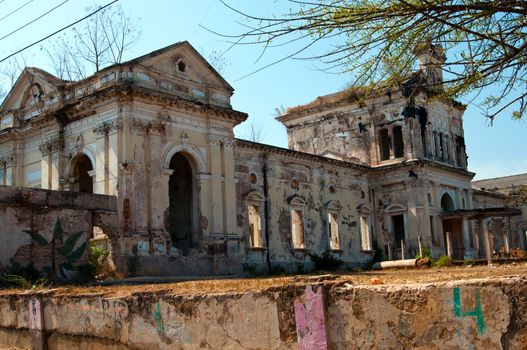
point(35, 314)
point(310, 321)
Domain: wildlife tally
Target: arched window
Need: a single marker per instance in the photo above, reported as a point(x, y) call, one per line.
point(397, 222)
point(296, 209)
point(333, 213)
point(365, 232)
point(255, 207)
point(181, 199)
point(82, 174)
point(447, 204)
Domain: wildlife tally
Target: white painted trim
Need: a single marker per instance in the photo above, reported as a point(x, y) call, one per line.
point(197, 159)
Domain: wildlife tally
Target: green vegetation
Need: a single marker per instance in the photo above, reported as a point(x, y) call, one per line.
point(426, 253)
point(25, 277)
point(443, 261)
point(326, 261)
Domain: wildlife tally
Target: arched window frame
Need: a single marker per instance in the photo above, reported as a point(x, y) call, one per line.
point(333, 226)
point(395, 210)
point(366, 239)
point(256, 200)
point(297, 223)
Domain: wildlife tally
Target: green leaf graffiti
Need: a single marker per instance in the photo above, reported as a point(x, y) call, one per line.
point(66, 250)
point(37, 238)
point(68, 246)
point(58, 232)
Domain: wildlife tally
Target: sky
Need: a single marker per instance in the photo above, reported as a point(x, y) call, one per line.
point(493, 151)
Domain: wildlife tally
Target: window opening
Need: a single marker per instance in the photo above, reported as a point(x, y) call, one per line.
point(334, 240)
point(297, 228)
point(398, 144)
point(384, 144)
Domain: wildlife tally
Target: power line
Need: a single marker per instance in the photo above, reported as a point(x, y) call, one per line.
point(36, 19)
point(58, 31)
point(21, 7)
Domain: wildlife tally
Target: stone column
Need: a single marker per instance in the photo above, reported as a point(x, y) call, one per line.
point(506, 243)
point(487, 242)
point(9, 163)
point(215, 143)
point(230, 207)
point(449, 244)
point(392, 146)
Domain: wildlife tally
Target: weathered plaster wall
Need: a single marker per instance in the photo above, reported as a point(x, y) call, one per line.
point(414, 190)
point(38, 210)
point(478, 314)
point(350, 129)
point(320, 184)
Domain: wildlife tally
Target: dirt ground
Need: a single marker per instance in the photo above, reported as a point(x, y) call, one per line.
point(407, 276)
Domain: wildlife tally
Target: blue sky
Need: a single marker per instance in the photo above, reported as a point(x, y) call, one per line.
point(493, 151)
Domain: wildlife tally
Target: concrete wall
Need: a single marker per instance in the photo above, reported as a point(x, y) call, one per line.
point(23, 209)
point(478, 314)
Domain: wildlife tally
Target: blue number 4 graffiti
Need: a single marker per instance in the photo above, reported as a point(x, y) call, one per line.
point(475, 312)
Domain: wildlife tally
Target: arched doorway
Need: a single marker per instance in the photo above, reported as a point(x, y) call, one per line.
point(453, 227)
point(181, 202)
point(82, 180)
point(447, 204)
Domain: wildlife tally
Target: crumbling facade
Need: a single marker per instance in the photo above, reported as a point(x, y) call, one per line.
point(157, 133)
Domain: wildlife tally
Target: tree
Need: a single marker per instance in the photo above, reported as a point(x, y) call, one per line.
point(253, 132)
point(99, 41)
point(379, 41)
point(217, 59)
point(10, 72)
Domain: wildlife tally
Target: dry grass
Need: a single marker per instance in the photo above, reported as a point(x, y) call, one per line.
point(348, 95)
point(256, 284)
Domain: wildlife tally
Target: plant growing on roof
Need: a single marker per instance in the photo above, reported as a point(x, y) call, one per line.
point(68, 251)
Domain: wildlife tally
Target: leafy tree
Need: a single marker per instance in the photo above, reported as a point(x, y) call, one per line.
point(379, 41)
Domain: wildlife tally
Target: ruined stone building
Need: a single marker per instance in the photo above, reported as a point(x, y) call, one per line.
point(156, 132)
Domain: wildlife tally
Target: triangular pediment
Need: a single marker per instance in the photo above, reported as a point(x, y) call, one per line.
point(32, 87)
point(182, 61)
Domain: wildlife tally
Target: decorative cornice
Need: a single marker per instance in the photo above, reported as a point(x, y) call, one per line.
point(299, 155)
point(141, 127)
point(108, 127)
point(8, 160)
point(49, 147)
point(218, 140)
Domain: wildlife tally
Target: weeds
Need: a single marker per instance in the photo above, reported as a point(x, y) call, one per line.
point(443, 261)
point(326, 262)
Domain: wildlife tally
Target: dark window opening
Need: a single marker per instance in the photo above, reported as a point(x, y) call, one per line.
point(398, 144)
point(447, 204)
point(181, 66)
point(398, 229)
point(441, 147)
point(433, 229)
point(181, 201)
point(83, 181)
point(384, 144)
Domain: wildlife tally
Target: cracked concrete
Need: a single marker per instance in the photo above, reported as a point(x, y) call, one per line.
point(477, 314)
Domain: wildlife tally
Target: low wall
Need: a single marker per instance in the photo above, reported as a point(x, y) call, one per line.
point(477, 314)
point(28, 217)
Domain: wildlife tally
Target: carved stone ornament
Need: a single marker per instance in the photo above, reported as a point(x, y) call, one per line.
point(139, 126)
point(50, 147)
point(107, 127)
point(218, 140)
point(8, 160)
